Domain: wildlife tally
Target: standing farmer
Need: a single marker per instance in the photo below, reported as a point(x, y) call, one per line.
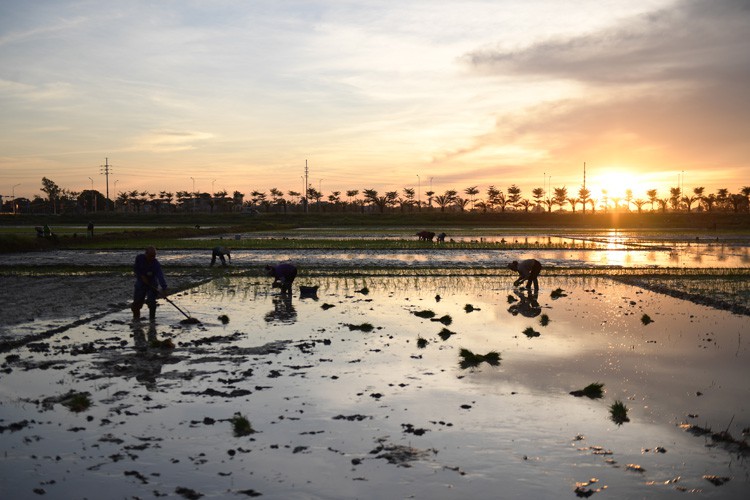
point(220, 252)
point(528, 270)
point(148, 275)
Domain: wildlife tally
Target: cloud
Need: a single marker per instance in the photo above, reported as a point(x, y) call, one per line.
point(169, 141)
point(668, 90)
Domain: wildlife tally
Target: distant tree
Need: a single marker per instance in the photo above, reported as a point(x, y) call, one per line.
point(514, 195)
point(573, 202)
point(639, 204)
point(561, 196)
point(501, 201)
point(492, 197)
point(460, 203)
point(351, 196)
point(652, 197)
point(674, 197)
point(52, 191)
point(538, 194)
point(472, 191)
point(628, 198)
point(584, 195)
point(722, 198)
point(605, 200)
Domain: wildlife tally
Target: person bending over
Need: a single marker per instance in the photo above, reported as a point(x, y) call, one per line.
point(283, 275)
point(220, 252)
point(528, 270)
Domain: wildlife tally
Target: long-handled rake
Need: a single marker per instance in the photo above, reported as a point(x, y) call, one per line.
point(188, 319)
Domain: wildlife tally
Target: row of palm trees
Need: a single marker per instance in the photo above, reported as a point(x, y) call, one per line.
point(495, 200)
point(406, 200)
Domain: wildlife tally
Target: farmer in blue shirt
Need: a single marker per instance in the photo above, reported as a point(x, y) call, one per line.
point(148, 275)
point(283, 275)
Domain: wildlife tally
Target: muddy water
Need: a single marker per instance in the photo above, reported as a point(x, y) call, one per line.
point(343, 413)
point(695, 256)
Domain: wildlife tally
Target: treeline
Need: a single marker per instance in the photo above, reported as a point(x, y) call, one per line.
point(58, 200)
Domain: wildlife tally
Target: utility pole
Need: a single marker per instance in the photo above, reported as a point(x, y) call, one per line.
point(584, 175)
point(306, 186)
point(13, 197)
point(93, 197)
point(419, 193)
point(105, 170)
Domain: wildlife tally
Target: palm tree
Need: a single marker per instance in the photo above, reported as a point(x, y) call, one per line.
point(514, 195)
point(573, 202)
point(584, 195)
point(492, 196)
point(460, 203)
point(674, 197)
point(408, 198)
point(538, 194)
point(472, 192)
point(639, 204)
point(652, 197)
point(429, 195)
point(605, 200)
point(561, 196)
point(628, 198)
point(352, 193)
point(722, 198)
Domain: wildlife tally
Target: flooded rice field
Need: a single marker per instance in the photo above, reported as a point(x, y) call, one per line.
point(386, 387)
point(695, 256)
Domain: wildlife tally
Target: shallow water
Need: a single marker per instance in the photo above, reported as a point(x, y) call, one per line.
point(327, 401)
point(684, 258)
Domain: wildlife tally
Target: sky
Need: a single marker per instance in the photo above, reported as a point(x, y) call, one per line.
point(210, 95)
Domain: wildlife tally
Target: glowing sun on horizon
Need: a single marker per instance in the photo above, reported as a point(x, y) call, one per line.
point(615, 182)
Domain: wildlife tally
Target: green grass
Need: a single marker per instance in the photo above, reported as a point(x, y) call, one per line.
point(77, 402)
point(531, 333)
point(619, 412)
point(427, 314)
point(593, 391)
point(445, 334)
point(472, 360)
point(241, 426)
point(364, 327)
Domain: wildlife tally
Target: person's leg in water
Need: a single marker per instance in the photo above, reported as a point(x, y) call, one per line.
point(223, 260)
point(139, 296)
point(535, 270)
point(213, 258)
point(151, 303)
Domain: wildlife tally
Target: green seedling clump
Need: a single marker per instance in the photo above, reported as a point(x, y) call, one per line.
point(557, 293)
point(469, 308)
point(421, 342)
point(77, 402)
point(224, 319)
point(445, 334)
point(531, 333)
point(241, 426)
point(364, 327)
point(544, 320)
point(162, 344)
point(446, 320)
point(646, 319)
point(619, 412)
point(511, 299)
point(424, 314)
point(593, 391)
point(471, 360)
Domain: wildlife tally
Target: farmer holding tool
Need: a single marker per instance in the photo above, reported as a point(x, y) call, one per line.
point(528, 271)
point(220, 252)
point(147, 275)
point(283, 275)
